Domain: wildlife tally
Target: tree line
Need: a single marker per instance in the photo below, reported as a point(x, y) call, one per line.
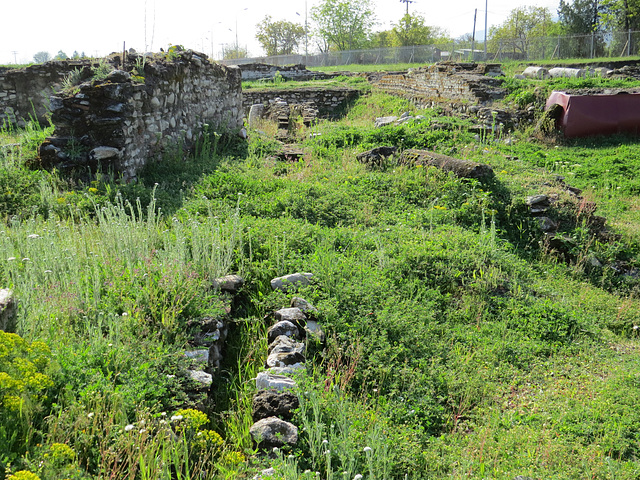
point(338, 25)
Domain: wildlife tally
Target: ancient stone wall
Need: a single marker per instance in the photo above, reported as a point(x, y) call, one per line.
point(328, 102)
point(468, 84)
point(123, 121)
point(25, 92)
point(260, 71)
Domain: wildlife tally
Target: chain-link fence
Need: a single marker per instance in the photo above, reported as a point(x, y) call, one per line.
point(596, 45)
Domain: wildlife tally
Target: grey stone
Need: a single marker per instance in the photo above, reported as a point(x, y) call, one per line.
point(118, 76)
point(102, 154)
point(519, 76)
point(547, 224)
point(203, 379)
point(283, 359)
point(293, 315)
point(256, 112)
point(284, 344)
point(291, 281)
point(539, 73)
point(382, 121)
point(272, 432)
point(198, 355)
point(314, 331)
point(8, 307)
point(267, 403)
point(268, 381)
point(303, 305)
point(282, 328)
point(536, 199)
point(229, 283)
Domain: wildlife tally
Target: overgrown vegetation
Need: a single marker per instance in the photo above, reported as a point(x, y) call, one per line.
point(459, 343)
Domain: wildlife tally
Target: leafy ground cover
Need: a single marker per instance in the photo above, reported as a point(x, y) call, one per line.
point(458, 345)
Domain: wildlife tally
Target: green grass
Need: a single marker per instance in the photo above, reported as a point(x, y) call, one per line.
point(360, 83)
point(458, 345)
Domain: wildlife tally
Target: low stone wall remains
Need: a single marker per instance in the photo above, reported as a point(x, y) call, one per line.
point(328, 102)
point(120, 123)
point(262, 71)
point(25, 92)
point(444, 83)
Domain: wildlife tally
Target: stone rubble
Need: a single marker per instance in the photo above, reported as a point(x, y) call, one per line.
point(274, 402)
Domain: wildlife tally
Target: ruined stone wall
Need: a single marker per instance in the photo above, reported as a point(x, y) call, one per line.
point(25, 92)
point(328, 102)
point(444, 84)
point(121, 124)
point(260, 71)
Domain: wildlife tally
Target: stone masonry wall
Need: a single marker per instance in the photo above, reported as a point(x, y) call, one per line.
point(25, 92)
point(260, 71)
point(445, 84)
point(328, 102)
point(121, 124)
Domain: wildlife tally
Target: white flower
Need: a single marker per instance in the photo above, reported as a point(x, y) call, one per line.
point(357, 477)
point(325, 441)
point(10, 259)
point(90, 415)
point(128, 428)
point(142, 430)
point(33, 235)
point(48, 271)
point(368, 449)
point(176, 417)
point(26, 259)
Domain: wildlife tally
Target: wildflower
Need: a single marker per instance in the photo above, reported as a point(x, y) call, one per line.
point(357, 477)
point(33, 235)
point(175, 418)
point(325, 441)
point(367, 449)
point(142, 430)
point(90, 415)
point(26, 259)
point(48, 271)
point(10, 259)
point(128, 428)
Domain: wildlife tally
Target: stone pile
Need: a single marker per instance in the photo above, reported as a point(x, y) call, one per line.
point(288, 337)
point(208, 336)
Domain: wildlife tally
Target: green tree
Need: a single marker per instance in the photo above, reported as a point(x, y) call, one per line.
point(61, 56)
point(344, 25)
point(279, 38)
point(521, 26)
point(41, 57)
point(582, 17)
point(412, 30)
point(230, 52)
point(620, 14)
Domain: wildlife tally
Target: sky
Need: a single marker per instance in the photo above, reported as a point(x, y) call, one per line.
point(99, 28)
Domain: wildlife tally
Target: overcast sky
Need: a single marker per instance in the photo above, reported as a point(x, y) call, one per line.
point(100, 27)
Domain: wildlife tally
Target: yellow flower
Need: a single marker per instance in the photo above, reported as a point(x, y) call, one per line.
point(93, 190)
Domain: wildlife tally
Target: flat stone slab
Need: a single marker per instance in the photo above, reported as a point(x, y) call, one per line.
point(268, 381)
point(293, 315)
point(291, 282)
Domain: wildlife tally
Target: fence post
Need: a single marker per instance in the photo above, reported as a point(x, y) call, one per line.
point(592, 35)
point(629, 44)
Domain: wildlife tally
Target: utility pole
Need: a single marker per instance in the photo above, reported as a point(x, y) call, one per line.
point(473, 37)
point(407, 2)
point(486, 13)
point(15, 60)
